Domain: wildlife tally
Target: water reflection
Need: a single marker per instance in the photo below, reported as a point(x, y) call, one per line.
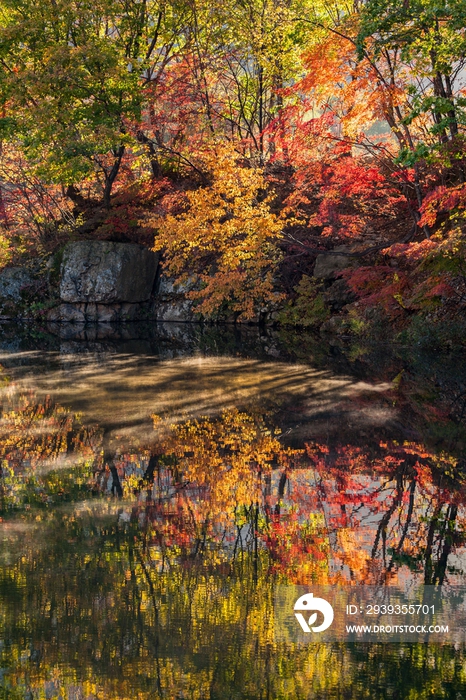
point(151, 505)
point(120, 392)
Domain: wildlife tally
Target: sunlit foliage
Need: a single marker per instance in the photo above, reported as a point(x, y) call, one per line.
point(227, 238)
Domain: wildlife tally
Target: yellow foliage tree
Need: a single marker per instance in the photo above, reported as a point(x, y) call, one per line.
point(226, 239)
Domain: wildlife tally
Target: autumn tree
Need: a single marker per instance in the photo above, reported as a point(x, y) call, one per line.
point(225, 241)
point(426, 41)
point(71, 82)
point(228, 81)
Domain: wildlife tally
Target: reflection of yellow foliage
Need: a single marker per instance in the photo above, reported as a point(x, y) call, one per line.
point(37, 436)
point(226, 459)
point(351, 552)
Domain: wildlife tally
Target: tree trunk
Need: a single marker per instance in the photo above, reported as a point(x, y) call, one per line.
point(110, 175)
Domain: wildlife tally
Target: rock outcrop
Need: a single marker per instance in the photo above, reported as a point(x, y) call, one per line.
point(328, 265)
point(103, 272)
point(171, 302)
point(17, 287)
point(13, 281)
point(105, 282)
point(102, 282)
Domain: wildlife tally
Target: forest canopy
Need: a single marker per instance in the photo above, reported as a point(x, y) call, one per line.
point(243, 139)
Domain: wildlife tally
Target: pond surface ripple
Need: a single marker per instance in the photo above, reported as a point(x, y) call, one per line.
point(154, 493)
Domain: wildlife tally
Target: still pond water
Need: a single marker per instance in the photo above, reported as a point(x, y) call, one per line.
point(156, 489)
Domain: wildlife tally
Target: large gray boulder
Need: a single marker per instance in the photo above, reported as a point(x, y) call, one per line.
point(172, 303)
point(104, 272)
point(13, 281)
point(328, 265)
point(176, 310)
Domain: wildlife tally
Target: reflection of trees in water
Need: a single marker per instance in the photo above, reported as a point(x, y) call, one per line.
point(171, 594)
point(100, 619)
point(325, 514)
point(212, 487)
point(45, 451)
point(393, 508)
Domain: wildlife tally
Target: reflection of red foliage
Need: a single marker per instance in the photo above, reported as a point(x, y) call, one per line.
point(296, 546)
point(350, 512)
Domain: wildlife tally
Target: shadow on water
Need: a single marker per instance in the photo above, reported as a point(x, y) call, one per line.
point(156, 488)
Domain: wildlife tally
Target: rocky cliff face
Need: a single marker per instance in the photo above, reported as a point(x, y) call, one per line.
point(105, 282)
point(17, 289)
point(103, 272)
